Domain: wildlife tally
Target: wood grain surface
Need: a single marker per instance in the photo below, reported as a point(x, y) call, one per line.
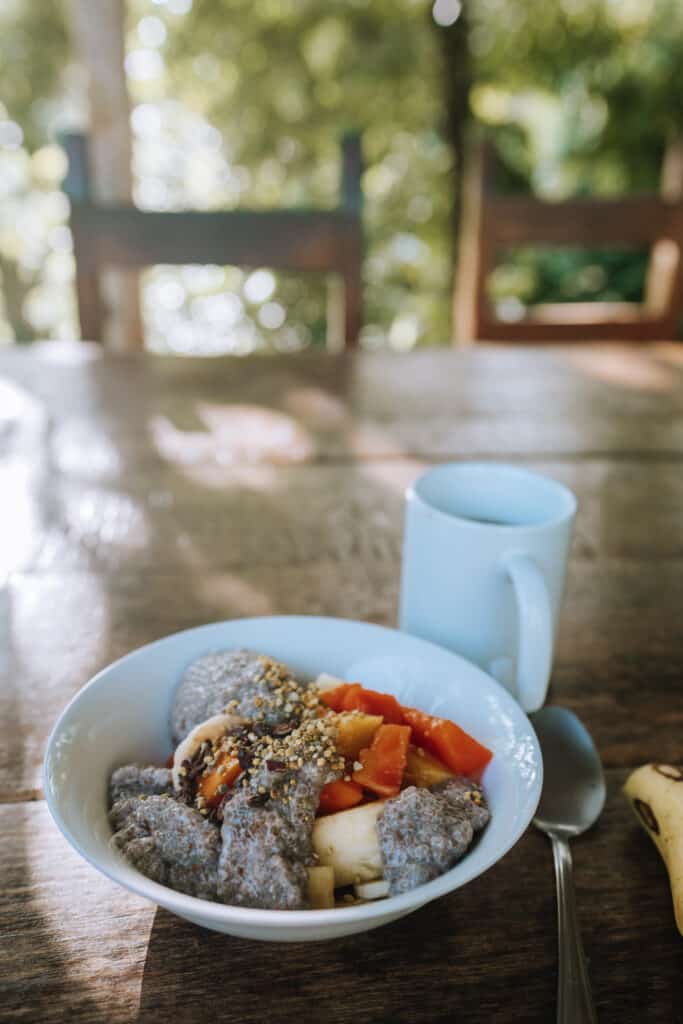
point(142, 495)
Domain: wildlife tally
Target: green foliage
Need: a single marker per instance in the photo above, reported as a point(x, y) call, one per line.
point(582, 96)
point(537, 274)
point(239, 103)
point(282, 81)
point(610, 73)
point(33, 49)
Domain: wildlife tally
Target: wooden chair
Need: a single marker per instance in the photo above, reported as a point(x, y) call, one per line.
point(492, 222)
point(327, 241)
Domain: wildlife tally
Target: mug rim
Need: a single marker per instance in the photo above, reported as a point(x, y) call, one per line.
point(522, 473)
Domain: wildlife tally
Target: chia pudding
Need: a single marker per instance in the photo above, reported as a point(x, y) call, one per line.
point(289, 795)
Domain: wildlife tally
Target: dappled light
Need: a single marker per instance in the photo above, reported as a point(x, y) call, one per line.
point(316, 408)
point(18, 409)
point(66, 621)
point(372, 438)
point(394, 476)
point(19, 518)
point(670, 354)
point(92, 899)
point(622, 368)
point(106, 524)
point(68, 353)
point(22, 424)
point(80, 452)
point(232, 434)
point(234, 594)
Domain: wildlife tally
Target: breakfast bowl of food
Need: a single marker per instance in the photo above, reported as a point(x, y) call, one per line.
point(292, 778)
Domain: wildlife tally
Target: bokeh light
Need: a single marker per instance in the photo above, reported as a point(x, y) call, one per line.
point(271, 315)
point(11, 135)
point(152, 31)
point(259, 286)
point(144, 65)
point(246, 112)
point(446, 12)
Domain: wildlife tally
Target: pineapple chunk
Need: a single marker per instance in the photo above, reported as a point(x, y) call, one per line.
point(355, 730)
point(348, 842)
point(423, 770)
point(321, 887)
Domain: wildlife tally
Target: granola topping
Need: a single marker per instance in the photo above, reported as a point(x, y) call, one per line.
point(308, 736)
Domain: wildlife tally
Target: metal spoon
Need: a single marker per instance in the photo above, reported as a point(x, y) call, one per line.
point(572, 799)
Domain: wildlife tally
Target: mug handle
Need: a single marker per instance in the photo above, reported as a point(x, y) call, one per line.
point(535, 649)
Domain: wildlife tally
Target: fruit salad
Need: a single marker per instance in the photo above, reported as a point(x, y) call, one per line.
point(290, 795)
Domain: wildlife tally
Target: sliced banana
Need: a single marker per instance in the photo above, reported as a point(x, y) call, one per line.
point(327, 682)
point(656, 795)
point(372, 890)
point(348, 842)
point(211, 729)
point(321, 887)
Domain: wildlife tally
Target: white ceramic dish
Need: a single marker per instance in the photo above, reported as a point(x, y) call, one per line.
point(122, 715)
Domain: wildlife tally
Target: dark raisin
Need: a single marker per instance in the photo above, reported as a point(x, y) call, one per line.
point(259, 799)
point(283, 729)
point(276, 766)
point(245, 757)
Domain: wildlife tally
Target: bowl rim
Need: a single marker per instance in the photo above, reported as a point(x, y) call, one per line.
point(193, 907)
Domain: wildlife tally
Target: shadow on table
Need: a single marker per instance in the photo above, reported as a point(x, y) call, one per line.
point(199, 975)
point(447, 961)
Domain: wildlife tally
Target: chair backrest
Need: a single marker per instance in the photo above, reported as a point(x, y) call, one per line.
point(492, 222)
point(327, 241)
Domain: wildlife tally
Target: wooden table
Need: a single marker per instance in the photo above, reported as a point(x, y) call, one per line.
point(139, 496)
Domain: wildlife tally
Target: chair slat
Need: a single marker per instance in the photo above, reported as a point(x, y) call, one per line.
point(305, 240)
point(493, 222)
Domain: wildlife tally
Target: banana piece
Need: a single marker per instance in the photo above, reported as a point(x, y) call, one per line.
point(321, 887)
point(327, 682)
point(372, 890)
point(211, 729)
point(656, 795)
point(348, 842)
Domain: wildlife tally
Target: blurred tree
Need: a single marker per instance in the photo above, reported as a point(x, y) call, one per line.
point(450, 21)
point(607, 77)
point(236, 103)
point(281, 80)
point(33, 48)
point(583, 99)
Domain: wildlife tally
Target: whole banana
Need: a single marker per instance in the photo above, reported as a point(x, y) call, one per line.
point(656, 795)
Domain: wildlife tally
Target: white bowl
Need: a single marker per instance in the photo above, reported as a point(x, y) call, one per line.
point(122, 715)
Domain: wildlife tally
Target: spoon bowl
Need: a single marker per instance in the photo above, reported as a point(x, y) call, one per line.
point(573, 793)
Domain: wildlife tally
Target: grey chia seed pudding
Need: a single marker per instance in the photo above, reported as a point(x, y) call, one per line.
point(250, 841)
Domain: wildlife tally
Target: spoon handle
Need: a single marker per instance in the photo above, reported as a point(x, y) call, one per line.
point(574, 999)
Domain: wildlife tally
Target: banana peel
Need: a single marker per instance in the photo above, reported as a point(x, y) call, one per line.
point(656, 795)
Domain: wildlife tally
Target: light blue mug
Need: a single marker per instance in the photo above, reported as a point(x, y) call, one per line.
point(484, 556)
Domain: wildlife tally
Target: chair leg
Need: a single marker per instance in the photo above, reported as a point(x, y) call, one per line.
point(89, 304)
point(353, 306)
point(335, 313)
